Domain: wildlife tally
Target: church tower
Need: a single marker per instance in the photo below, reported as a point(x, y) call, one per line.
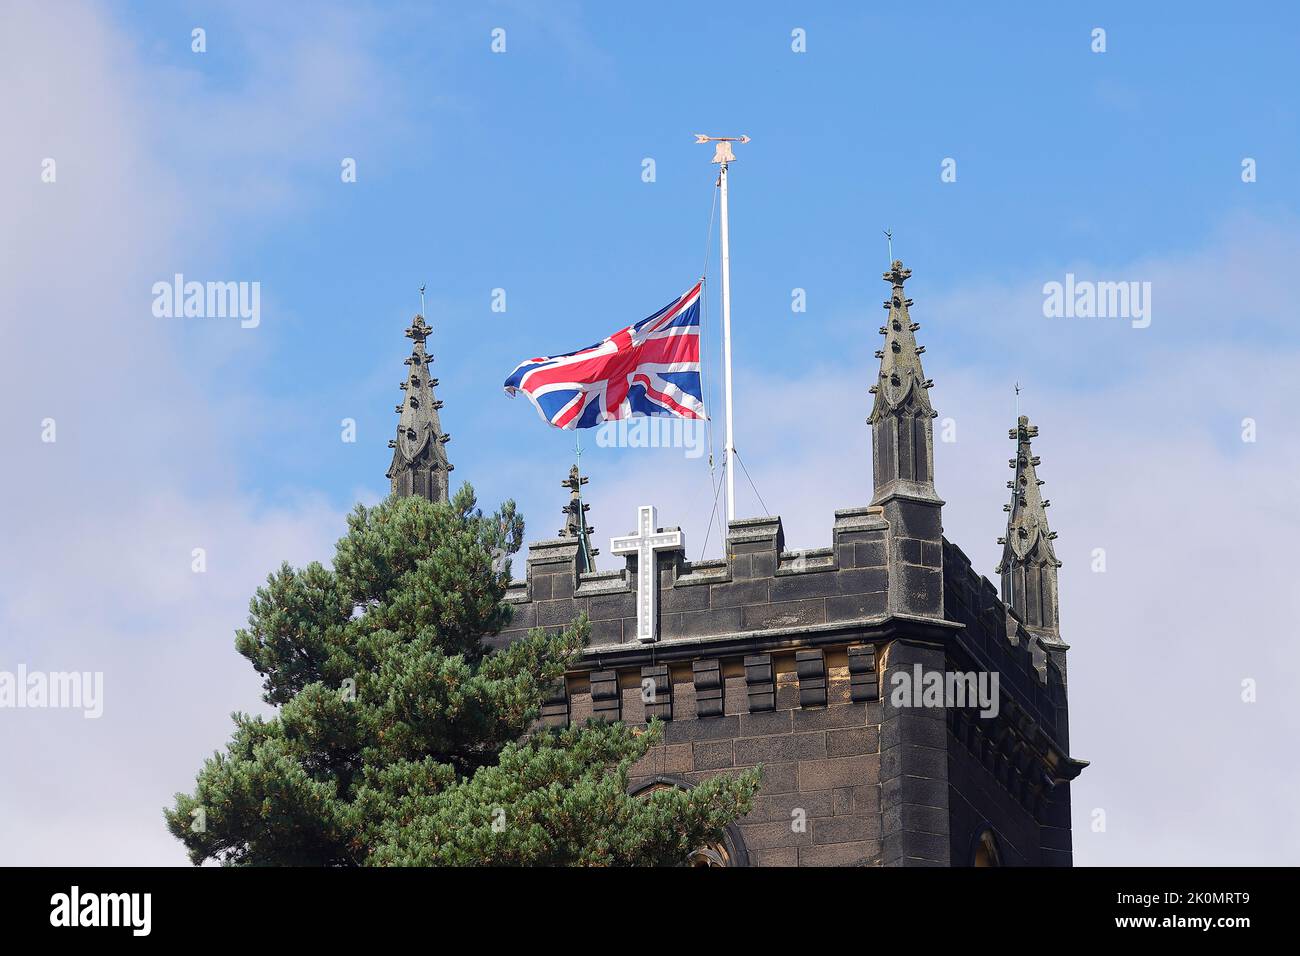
point(899, 708)
point(420, 465)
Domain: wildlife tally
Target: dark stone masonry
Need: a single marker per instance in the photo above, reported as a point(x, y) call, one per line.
point(797, 660)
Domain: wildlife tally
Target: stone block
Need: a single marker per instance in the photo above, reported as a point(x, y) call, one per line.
point(689, 731)
point(714, 620)
point(832, 772)
point(781, 806)
point(853, 607)
point(765, 836)
point(831, 718)
point(845, 829)
point(714, 754)
point(692, 597)
point(810, 584)
point(870, 554)
point(560, 613)
point(738, 593)
point(866, 853)
point(785, 614)
point(775, 856)
point(606, 632)
point(861, 580)
point(763, 724)
point(779, 778)
point(852, 741)
point(752, 750)
point(607, 607)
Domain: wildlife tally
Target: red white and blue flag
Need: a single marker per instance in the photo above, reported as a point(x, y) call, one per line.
point(650, 368)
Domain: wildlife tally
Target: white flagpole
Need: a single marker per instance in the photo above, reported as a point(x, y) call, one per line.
point(730, 454)
point(723, 157)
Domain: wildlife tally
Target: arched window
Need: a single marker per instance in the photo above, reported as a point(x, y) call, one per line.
point(986, 849)
point(921, 443)
point(730, 851)
point(714, 854)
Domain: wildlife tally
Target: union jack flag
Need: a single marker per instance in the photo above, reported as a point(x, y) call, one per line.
point(650, 368)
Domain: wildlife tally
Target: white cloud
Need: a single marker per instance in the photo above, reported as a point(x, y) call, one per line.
point(96, 571)
point(115, 593)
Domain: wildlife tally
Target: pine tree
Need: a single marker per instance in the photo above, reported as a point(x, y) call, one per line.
point(399, 739)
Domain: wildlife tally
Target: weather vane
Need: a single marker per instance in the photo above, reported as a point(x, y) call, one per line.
point(889, 241)
point(722, 154)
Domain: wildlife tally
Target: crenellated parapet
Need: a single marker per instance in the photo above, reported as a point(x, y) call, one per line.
point(760, 592)
point(996, 639)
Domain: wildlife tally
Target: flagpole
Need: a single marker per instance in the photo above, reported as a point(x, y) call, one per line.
point(723, 156)
point(730, 453)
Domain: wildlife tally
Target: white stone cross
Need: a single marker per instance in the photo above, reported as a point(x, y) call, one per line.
point(644, 543)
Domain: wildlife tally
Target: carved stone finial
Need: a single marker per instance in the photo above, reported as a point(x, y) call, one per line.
point(1029, 562)
point(418, 331)
point(420, 465)
point(575, 519)
point(900, 358)
point(902, 437)
point(1023, 430)
point(897, 274)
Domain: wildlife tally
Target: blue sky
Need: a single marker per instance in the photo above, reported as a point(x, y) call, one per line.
point(523, 171)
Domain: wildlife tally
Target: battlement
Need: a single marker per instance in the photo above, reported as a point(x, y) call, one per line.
point(997, 640)
point(758, 591)
point(764, 598)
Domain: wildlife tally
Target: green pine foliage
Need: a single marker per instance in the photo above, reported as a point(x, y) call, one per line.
point(400, 740)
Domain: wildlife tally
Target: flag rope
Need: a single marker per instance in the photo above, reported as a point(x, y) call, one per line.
point(713, 514)
point(753, 486)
